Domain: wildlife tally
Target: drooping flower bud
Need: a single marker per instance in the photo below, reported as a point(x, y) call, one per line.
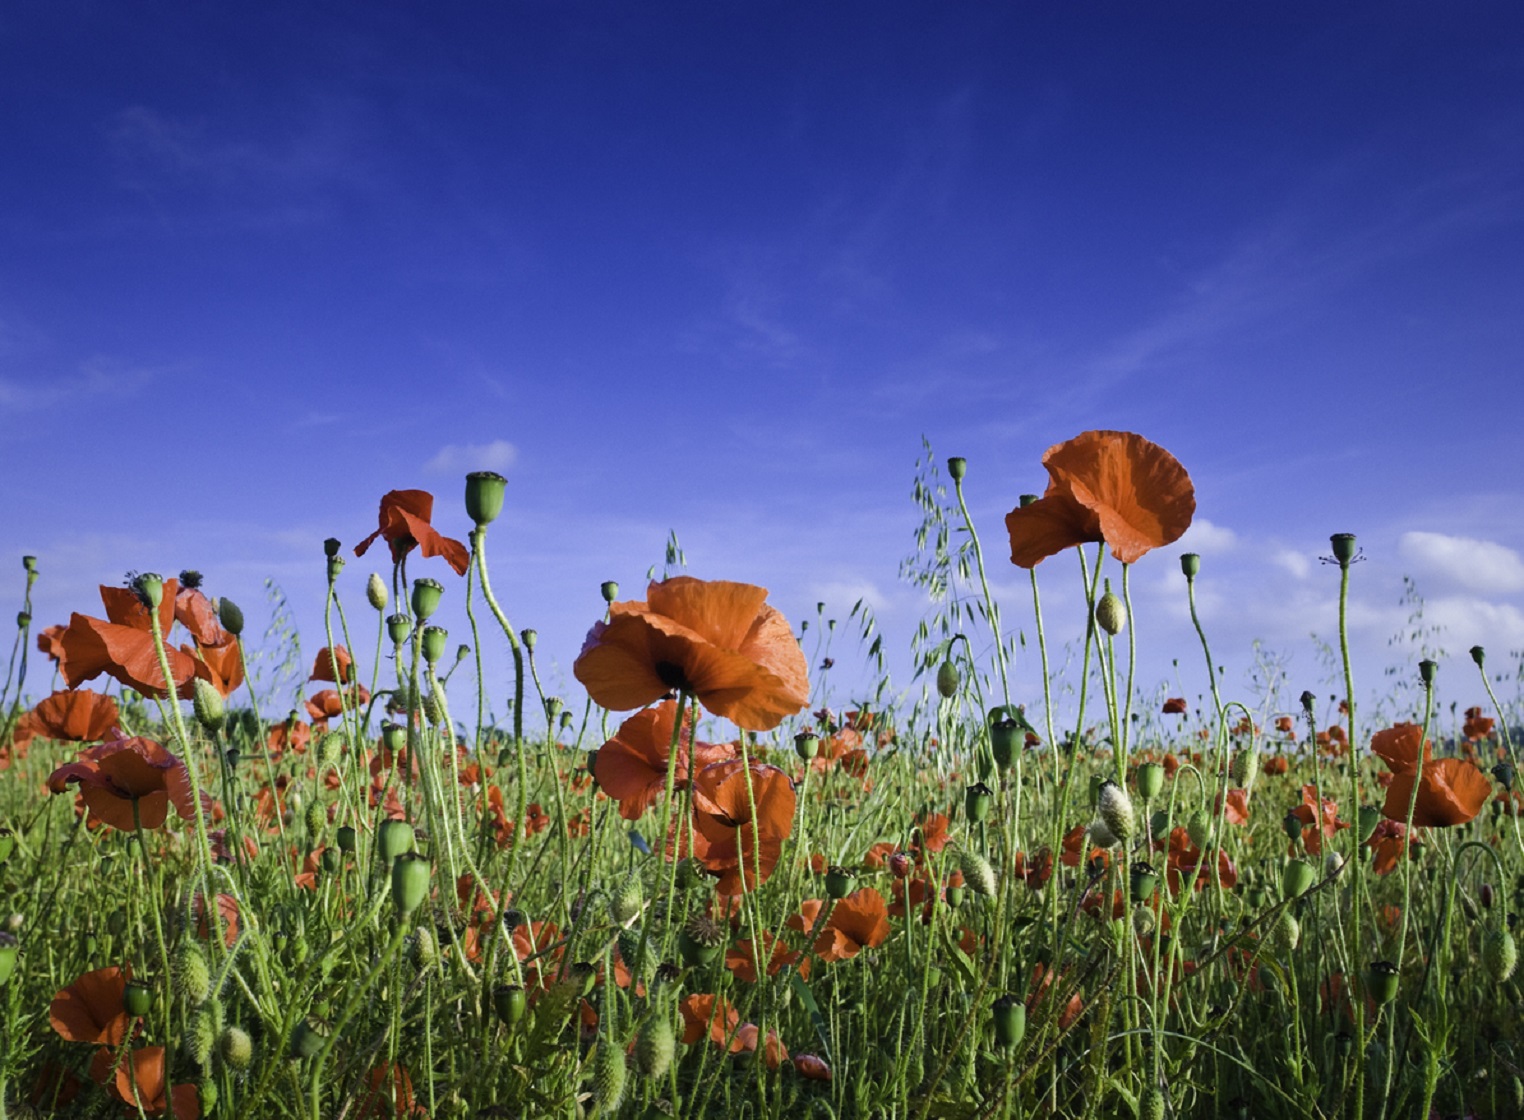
point(1285, 934)
point(231, 617)
point(1244, 767)
point(484, 496)
point(1500, 954)
point(608, 1077)
point(655, 1047)
point(947, 679)
point(1115, 808)
point(625, 904)
point(1198, 827)
point(192, 975)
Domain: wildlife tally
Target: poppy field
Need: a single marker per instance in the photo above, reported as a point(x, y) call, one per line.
point(713, 889)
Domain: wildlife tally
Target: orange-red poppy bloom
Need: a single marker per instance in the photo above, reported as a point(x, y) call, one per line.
point(1450, 791)
point(123, 773)
point(405, 517)
point(323, 666)
point(811, 1068)
point(49, 643)
point(121, 645)
point(1175, 706)
point(1316, 826)
point(76, 716)
point(1238, 806)
point(859, 921)
point(1115, 487)
point(728, 840)
point(715, 639)
point(1186, 861)
point(388, 1092)
point(1276, 764)
point(741, 959)
point(327, 704)
point(194, 611)
point(703, 1013)
point(774, 1054)
point(632, 766)
point(143, 1079)
point(92, 1009)
point(1388, 846)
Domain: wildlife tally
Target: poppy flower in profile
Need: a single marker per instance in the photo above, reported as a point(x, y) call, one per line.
point(194, 611)
point(1451, 791)
point(142, 1079)
point(1388, 845)
point(774, 1054)
point(405, 516)
point(323, 668)
point(741, 958)
point(327, 704)
point(632, 766)
point(1175, 706)
point(1115, 487)
point(121, 644)
point(49, 643)
point(121, 774)
point(859, 921)
point(716, 639)
point(92, 1009)
point(71, 716)
point(727, 839)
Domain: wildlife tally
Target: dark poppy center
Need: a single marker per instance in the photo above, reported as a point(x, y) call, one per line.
point(671, 674)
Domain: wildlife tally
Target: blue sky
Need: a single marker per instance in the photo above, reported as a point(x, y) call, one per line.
point(717, 268)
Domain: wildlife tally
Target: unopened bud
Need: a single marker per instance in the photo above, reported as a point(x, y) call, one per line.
point(375, 592)
point(1115, 809)
point(206, 702)
point(1111, 613)
point(231, 617)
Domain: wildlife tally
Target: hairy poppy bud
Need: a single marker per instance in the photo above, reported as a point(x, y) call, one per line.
point(424, 952)
point(1151, 1104)
point(608, 1077)
point(977, 872)
point(510, 1002)
point(1198, 827)
point(192, 975)
point(1115, 808)
point(410, 881)
point(1333, 863)
point(838, 882)
point(1284, 935)
point(1003, 733)
point(307, 1039)
point(947, 680)
point(655, 1047)
point(236, 1048)
point(1010, 1021)
point(1297, 878)
point(375, 592)
point(1111, 613)
point(425, 599)
point(625, 905)
point(398, 627)
point(1500, 955)
point(638, 954)
point(206, 702)
point(315, 817)
point(200, 1036)
point(957, 467)
point(394, 838)
point(434, 639)
point(1149, 780)
point(1244, 767)
point(1343, 548)
point(484, 496)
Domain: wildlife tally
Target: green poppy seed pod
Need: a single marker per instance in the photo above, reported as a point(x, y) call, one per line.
point(1426, 671)
point(1245, 767)
point(1004, 732)
point(947, 680)
point(200, 1036)
point(192, 975)
point(1111, 613)
point(1381, 978)
point(1115, 808)
point(1291, 825)
point(150, 588)
point(206, 702)
point(1366, 821)
point(1151, 1104)
point(1343, 548)
point(1479, 655)
point(510, 1003)
point(484, 496)
point(331, 547)
point(1149, 780)
point(1158, 825)
point(9, 947)
point(1500, 955)
point(29, 565)
point(608, 1077)
point(332, 861)
point(977, 872)
point(1142, 880)
point(398, 627)
point(957, 468)
point(1010, 1021)
point(609, 590)
point(137, 998)
point(1198, 827)
point(236, 1048)
point(806, 745)
point(1283, 936)
point(955, 896)
point(838, 882)
point(978, 800)
point(375, 592)
point(394, 838)
point(434, 639)
point(690, 873)
point(1190, 564)
point(700, 940)
point(347, 837)
point(1027, 500)
point(335, 566)
point(655, 1047)
point(1297, 878)
point(530, 638)
point(315, 817)
point(425, 599)
point(393, 736)
point(626, 902)
point(1309, 701)
point(307, 1039)
point(23, 620)
point(410, 881)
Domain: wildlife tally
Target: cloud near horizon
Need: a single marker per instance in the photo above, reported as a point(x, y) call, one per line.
point(462, 458)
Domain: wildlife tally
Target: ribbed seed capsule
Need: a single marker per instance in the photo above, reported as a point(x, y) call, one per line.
point(1500, 955)
point(977, 872)
point(192, 975)
point(608, 1077)
point(656, 1046)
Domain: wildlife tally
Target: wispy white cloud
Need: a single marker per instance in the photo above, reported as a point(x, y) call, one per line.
point(460, 458)
point(95, 378)
point(1206, 538)
point(1476, 565)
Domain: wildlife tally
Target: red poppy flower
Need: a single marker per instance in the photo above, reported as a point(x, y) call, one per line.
point(50, 644)
point(1388, 846)
point(716, 639)
point(812, 1068)
point(142, 1079)
point(221, 666)
point(75, 716)
point(194, 611)
point(1238, 806)
point(405, 516)
point(774, 1054)
point(1276, 764)
point(809, 913)
point(632, 766)
point(1115, 487)
point(1451, 791)
point(227, 917)
point(859, 921)
point(1186, 861)
point(742, 961)
point(1315, 830)
point(91, 1009)
point(121, 645)
point(728, 840)
point(326, 704)
point(1477, 726)
point(388, 1092)
point(1175, 706)
point(121, 773)
point(323, 666)
point(1034, 870)
point(706, 1013)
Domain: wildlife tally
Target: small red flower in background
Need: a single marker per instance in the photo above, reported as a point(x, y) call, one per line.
point(1175, 706)
point(91, 1009)
point(1450, 791)
point(123, 773)
point(703, 1012)
point(405, 516)
point(49, 643)
point(1477, 726)
point(1115, 487)
point(1314, 830)
point(812, 1068)
point(76, 716)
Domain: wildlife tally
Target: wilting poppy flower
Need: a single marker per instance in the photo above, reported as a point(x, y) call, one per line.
point(1175, 706)
point(727, 840)
point(1450, 791)
point(933, 832)
point(92, 1010)
point(142, 1079)
point(702, 1012)
point(405, 516)
point(632, 766)
point(78, 716)
point(122, 773)
point(716, 639)
point(1115, 487)
point(812, 1068)
point(859, 921)
point(121, 645)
